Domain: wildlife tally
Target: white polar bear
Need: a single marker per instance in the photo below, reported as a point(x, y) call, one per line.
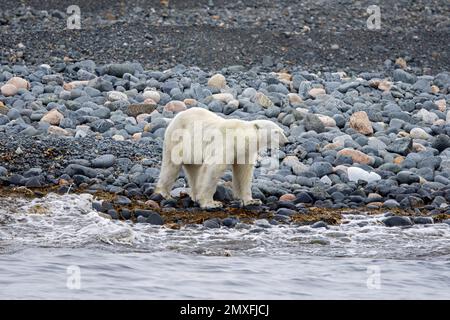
point(205, 144)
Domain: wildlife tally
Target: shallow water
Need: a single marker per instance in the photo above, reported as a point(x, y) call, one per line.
point(44, 240)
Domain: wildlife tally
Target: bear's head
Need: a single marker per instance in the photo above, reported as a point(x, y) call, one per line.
point(270, 135)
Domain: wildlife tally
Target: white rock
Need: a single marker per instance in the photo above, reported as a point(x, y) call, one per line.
point(340, 140)
point(116, 96)
point(426, 116)
point(419, 133)
point(448, 116)
point(326, 180)
point(118, 137)
point(217, 81)
point(151, 94)
point(225, 97)
point(355, 174)
point(327, 121)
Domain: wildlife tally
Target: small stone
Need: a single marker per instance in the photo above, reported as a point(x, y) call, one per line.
point(287, 197)
point(217, 81)
point(75, 84)
point(442, 105)
point(356, 155)
point(423, 220)
point(53, 117)
point(3, 109)
point(134, 110)
point(441, 142)
point(355, 174)
point(314, 92)
point(190, 102)
point(118, 137)
point(8, 90)
point(396, 221)
point(385, 85)
point(58, 131)
point(327, 121)
point(150, 94)
point(211, 223)
point(116, 96)
point(152, 204)
point(401, 146)
point(294, 98)
point(104, 161)
point(419, 133)
point(361, 123)
point(224, 97)
point(264, 101)
point(391, 204)
point(175, 106)
point(434, 89)
point(319, 224)
point(19, 83)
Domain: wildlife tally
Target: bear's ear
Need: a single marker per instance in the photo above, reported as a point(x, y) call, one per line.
point(257, 127)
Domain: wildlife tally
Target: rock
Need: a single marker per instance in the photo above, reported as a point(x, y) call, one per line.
point(423, 220)
point(385, 85)
point(150, 94)
point(116, 96)
point(75, 84)
point(403, 76)
point(155, 219)
point(74, 169)
point(211, 223)
point(313, 123)
point(396, 221)
point(426, 116)
point(442, 106)
point(315, 92)
point(361, 123)
point(286, 212)
point(53, 117)
point(294, 98)
point(287, 197)
point(217, 81)
point(3, 171)
point(303, 197)
point(327, 121)
point(152, 204)
point(319, 224)
point(321, 168)
point(19, 83)
point(119, 69)
point(3, 109)
point(356, 155)
point(355, 174)
point(122, 200)
point(8, 90)
point(104, 161)
point(224, 97)
point(391, 204)
point(58, 131)
point(230, 222)
point(419, 133)
point(441, 142)
point(401, 146)
point(134, 110)
point(407, 177)
point(175, 106)
point(264, 101)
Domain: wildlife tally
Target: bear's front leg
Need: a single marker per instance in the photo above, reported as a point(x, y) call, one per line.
point(242, 184)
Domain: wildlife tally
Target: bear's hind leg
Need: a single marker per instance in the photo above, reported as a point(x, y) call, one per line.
point(208, 177)
point(191, 171)
point(242, 184)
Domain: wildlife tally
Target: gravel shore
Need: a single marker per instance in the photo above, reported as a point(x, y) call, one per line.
point(366, 112)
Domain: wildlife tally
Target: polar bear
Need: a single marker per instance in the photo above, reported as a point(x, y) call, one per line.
point(205, 144)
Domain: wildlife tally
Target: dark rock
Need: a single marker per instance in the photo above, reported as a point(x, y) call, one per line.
point(155, 218)
point(212, 223)
point(423, 220)
point(319, 224)
point(401, 146)
point(441, 142)
point(396, 221)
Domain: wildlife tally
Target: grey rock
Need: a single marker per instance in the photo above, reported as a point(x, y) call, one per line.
point(396, 221)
